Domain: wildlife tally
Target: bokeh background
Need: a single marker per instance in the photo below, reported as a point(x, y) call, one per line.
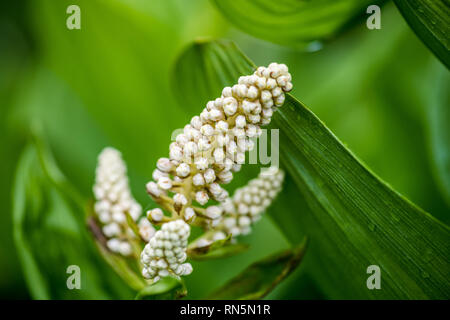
point(110, 84)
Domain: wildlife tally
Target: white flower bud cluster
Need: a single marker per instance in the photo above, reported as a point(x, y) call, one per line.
point(166, 252)
point(248, 203)
point(113, 200)
point(213, 145)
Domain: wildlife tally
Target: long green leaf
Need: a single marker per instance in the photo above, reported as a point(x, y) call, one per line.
point(292, 22)
point(354, 219)
point(50, 236)
point(260, 278)
point(429, 19)
point(359, 217)
point(439, 115)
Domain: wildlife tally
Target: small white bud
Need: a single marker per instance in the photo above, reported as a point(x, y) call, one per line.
point(180, 199)
point(252, 92)
point(201, 197)
point(216, 115)
point(183, 170)
point(201, 163)
point(190, 148)
point(198, 180)
point(226, 92)
point(187, 269)
point(244, 221)
point(196, 122)
point(215, 188)
point(113, 244)
point(181, 139)
point(219, 155)
point(213, 212)
point(209, 176)
point(225, 176)
point(164, 164)
point(261, 83)
point(203, 144)
point(157, 174)
point(222, 126)
point(279, 100)
point(241, 90)
point(155, 214)
point(165, 183)
point(230, 106)
point(189, 213)
point(176, 153)
point(266, 96)
point(288, 87)
point(153, 189)
point(277, 92)
point(207, 130)
point(240, 121)
point(125, 248)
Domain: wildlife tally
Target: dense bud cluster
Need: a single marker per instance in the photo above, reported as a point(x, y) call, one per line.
point(114, 200)
point(212, 146)
point(166, 252)
point(248, 203)
point(202, 158)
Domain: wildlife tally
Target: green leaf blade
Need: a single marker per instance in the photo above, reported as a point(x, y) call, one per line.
point(260, 278)
point(292, 22)
point(165, 289)
point(429, 19)
point(364, 219)
point(50, 236)
point(204, 83)
point(438, 115)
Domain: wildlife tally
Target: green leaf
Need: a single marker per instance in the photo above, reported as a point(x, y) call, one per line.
point(353, 219)
point(439, 113)
point(429, 19)
point(207, 82)
point(50, 235)
point(217, 249)
point(292, 22)
point(365, 222)
point(166, 288)
point(260, 278)
point(117, 262)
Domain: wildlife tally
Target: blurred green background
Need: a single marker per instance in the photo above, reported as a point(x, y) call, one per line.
point(110, 84)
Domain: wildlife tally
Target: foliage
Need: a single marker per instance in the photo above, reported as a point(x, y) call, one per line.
point(138, 70)
point(365, 221)
point(429, 20)
point(291, 22)
point(256, 281)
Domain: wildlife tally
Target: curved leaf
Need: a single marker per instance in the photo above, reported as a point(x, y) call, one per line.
point(439, 113)
point(353, 218)
point(292, 22)
point(353, 214)
point(429, 19)
point(217, 249)
point(209, 56)
point(117, 262)
point(260, 278)
point(50, 237)
point(165, 289)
